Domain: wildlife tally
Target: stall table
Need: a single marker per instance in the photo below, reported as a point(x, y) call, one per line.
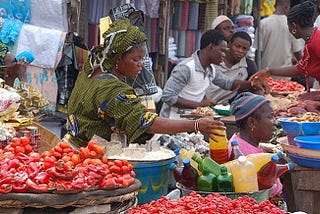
point(301, 188)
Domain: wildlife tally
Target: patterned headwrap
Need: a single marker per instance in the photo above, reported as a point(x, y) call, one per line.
point(245, 104)
point(218, 20)
point(119, 38)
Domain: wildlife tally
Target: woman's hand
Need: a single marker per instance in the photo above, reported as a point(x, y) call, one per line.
point(209, 126)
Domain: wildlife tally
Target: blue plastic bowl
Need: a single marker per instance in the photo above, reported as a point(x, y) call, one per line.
point(290, 127)
point(304, 161)
point(308, 142)
point(294, 128)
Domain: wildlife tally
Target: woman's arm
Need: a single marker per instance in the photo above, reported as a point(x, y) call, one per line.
point(162, 125)
point(289, 71)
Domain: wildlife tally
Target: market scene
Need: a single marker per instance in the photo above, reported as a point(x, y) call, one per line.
point(168, 106)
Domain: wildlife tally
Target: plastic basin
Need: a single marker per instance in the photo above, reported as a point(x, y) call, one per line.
point(153, 177)
point(308, 142)
point(304, 161)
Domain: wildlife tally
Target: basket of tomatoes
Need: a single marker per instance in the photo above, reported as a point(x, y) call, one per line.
point(63, 176)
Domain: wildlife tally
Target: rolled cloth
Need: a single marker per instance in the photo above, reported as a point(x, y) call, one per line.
point(245, 104)
point(217, 21)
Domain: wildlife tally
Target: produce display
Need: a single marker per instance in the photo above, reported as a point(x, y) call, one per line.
point(213, 203)
point(283, 85)
point(61, 169)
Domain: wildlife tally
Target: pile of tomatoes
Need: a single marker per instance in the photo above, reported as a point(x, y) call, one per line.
point(283, 85)
point(213, 203)
point(62, 169)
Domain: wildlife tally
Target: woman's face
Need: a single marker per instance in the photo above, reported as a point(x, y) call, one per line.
point(264, 123)
point(130, 64)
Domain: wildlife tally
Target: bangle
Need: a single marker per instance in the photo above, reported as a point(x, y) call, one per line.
point(196, 125)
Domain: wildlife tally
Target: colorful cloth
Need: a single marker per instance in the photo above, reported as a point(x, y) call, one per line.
point(3, 52)
point(246, 148)
point(10, 30)
point(309, 63)
point(97, 104)
point(16, 9)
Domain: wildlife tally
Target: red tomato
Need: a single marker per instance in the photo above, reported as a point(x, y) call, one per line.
point(15, 142)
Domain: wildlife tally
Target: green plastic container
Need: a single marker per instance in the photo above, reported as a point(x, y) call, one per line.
point(258, 196)
point(153, 177)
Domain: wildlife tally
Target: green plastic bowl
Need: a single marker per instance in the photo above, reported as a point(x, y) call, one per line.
point(222, 109)
point(259, 196)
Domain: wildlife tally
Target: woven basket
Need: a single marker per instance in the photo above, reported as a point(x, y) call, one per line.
point(81, 199)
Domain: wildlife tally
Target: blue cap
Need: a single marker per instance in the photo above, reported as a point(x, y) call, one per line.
point(176, 151)
point(275, 158)
point(290, 165)
point(233, 143)
point(186, 161)
point(280, 154)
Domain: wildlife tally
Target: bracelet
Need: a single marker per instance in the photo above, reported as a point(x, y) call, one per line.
point(196, 125)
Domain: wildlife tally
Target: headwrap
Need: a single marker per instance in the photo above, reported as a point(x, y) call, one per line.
point(217, 21)
point(245, 104)
point(119, 38)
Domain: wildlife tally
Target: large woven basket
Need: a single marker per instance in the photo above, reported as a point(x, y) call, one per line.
point(80, 199)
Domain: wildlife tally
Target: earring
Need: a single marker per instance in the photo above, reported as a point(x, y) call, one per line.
point(294, 31)
point(117, 66)
point(252, 129)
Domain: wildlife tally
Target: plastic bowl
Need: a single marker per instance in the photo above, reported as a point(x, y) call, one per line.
point(222, 109)
point(299, 128)
point(258, 196)
point(304, 161)
point(308, 142)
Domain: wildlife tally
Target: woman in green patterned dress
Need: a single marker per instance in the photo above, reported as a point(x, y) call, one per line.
point(102, 102)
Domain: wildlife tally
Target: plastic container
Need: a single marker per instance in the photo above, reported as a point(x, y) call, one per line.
point(267, 175)
point(153, 176)
point(178, 160)
point(235, 151)
point(259, 196)
point(244, 176)
point(258, 159)
point(188, 154)
point(304, 161)
point(225, 181)
point(207, 181)
point(207, 162)
point(308, 142)
point(282, 168)
point(219, 146)
point(189, 176)
point(176, 172)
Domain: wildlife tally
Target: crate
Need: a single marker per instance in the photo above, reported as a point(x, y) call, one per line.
point(301, 189)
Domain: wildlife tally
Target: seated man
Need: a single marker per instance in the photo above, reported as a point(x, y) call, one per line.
point(186, 87)
point(235, 65)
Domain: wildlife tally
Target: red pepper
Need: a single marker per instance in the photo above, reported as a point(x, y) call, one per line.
point(33, 187)
point(5, 188)
point(33, 169)
point(24, 158)
point(53, 172)
point(20, 188)
point(42, 178)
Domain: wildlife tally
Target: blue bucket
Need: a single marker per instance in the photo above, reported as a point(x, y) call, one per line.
point(153, 177)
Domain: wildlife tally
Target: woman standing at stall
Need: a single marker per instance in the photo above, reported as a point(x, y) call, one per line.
point(102, 103)
point(300, 22)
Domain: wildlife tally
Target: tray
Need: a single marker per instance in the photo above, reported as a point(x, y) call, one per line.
point(81, 199)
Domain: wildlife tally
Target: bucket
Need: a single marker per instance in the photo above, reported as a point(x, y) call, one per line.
point(153, 176)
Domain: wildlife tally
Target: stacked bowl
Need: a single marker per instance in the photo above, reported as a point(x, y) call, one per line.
point(302, 143)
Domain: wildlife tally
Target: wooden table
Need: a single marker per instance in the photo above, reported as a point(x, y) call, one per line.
point(301, 189)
